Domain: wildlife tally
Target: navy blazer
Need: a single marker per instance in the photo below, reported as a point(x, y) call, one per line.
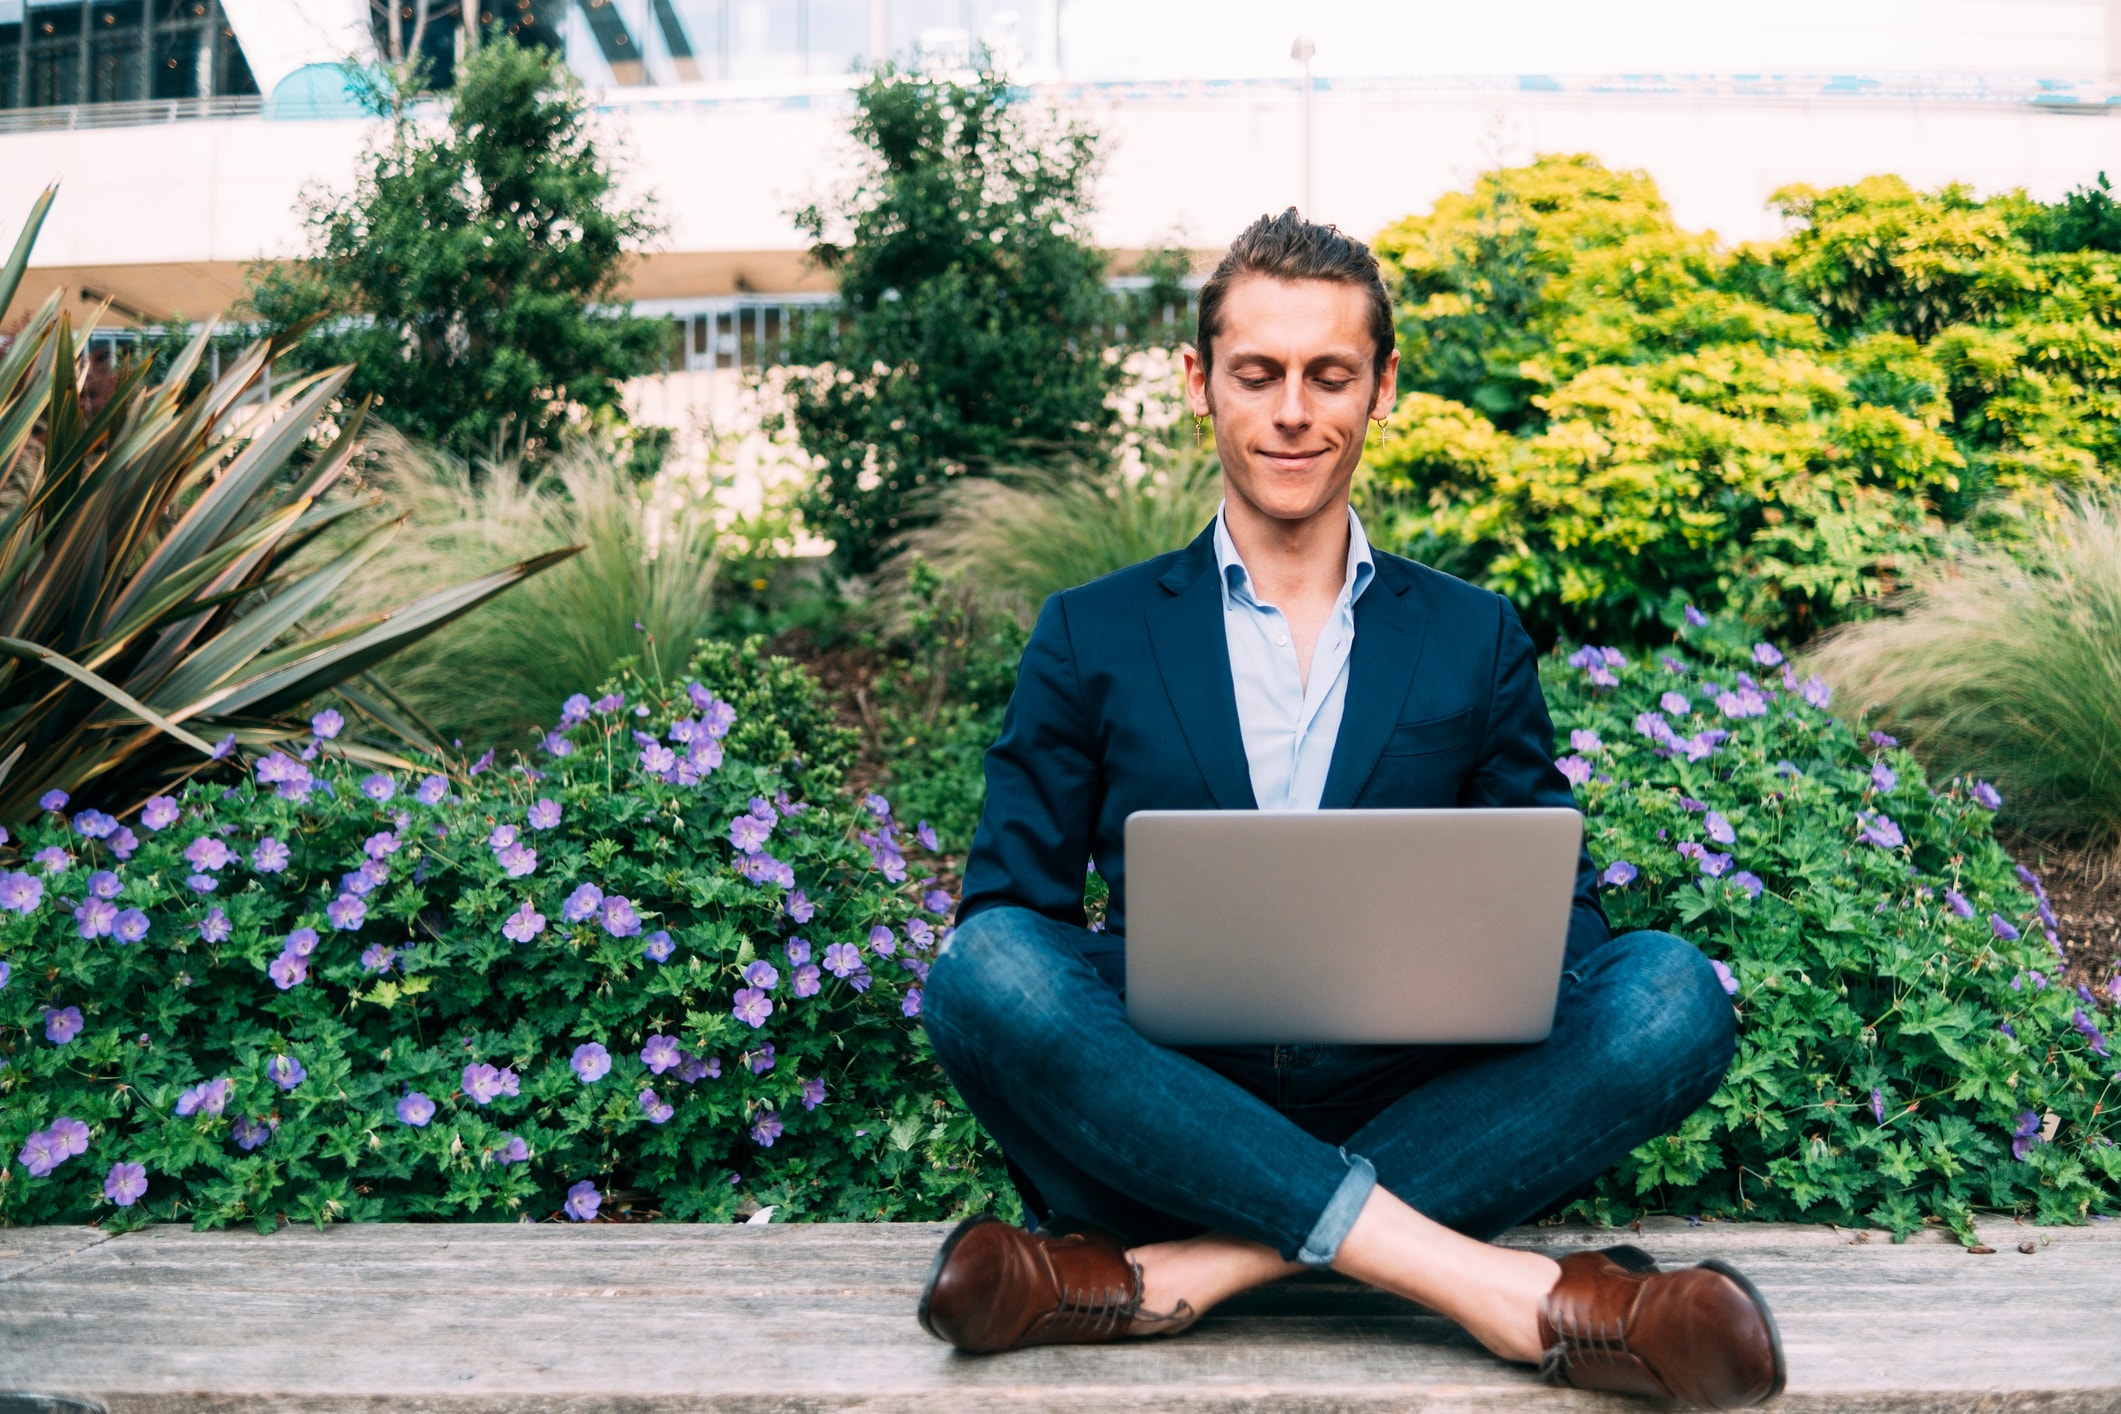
point(1124, 702)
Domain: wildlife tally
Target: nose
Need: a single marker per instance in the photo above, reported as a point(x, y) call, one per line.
point(1292, 410)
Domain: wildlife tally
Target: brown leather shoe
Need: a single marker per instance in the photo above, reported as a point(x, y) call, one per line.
point(1701, 1335)
point(995, 1287)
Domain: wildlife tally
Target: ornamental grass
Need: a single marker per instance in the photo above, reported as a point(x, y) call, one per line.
point(2009, 667)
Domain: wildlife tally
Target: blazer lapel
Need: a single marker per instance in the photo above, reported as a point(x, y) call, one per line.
point(1389, 631)
point(1193, 657)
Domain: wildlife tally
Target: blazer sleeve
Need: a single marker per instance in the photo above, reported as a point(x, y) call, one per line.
point(1517, 769)
point(1044, 787)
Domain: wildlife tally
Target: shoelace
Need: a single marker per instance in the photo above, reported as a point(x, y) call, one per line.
point(1585, 1341)
point(1102, 1313)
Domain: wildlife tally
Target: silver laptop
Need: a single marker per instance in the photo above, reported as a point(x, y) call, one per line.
point(1392, 927)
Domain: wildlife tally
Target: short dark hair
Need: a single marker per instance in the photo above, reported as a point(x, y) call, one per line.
point(1287, 247)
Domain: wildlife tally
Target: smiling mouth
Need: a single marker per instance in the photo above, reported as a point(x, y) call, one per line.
point(1293, 456)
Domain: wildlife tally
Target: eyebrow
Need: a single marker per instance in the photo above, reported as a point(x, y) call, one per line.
point(1349, 357)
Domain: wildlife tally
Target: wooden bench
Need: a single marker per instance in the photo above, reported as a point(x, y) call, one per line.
point(632, 1319)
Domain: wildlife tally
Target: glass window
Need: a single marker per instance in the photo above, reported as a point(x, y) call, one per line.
point(10, 65)
point(117, 53)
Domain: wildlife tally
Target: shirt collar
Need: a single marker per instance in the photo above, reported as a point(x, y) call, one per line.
point(1237, 580)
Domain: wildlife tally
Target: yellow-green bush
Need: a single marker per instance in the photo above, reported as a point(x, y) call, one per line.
point(1609, 416)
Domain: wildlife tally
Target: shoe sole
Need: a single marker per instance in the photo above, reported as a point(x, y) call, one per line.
point(942, 1255)
point(1745, 1284)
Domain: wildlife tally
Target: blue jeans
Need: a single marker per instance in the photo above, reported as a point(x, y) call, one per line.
point(1282, 1144)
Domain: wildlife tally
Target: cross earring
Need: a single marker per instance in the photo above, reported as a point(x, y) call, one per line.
point(1200, 430)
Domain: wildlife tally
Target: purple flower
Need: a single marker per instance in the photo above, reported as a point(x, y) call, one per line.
point(104, 884)
point(1878, 1104)
point(1749, 881)
point(1725, 976)
point(608, 703)
point(502, 837)
point(286, 1072)
point(62, 1024)
point(936, 901)
point(1694, 617)
point(1712, 863)
point(799, 908)
point(1575, 769)
point(481, 766)
point(2000, 926)
point(207, 852)
point(1745, 702)
point(806, 980)
point(657, 947)
point(716, 715)
point(381, 845)
point(270, 856)
point(208, 1097)
point(2007, 1029)
point(300, 943)
point(94, 917)
point(557, 744)
point(813, 1093)
point(882, 941)
point(94, 824)
point(657, 758)
point(582, 903)
point(20, 893)
point(766, 1129)
point(763, 868)
point(52, 859)
point(484, 1083)
point(748, 833)
point(1767, 655)
point(654, 1108)
point(1882, 777)
point(591, 1062)
point(2025, 1135)
point(71, 1135)
point(924, 834)
point(416, 1109)
point(287, 971)
point(346, 912)
point(377, 958)
point(1956, 901)
point(250, 1133)
point(910, 1004)
point(378, 787)
point(660, 1054)
point(2090, 1029)
point(7, 970)
point(1719, 828)
point(130, 926)
point(122, 842)
point(582, 1202)
point(841, 958)
point(327, 723)
point(125, 1184)
point(1619, 874)
point(619, 918)
point(159, 813)
point(1880, 831)
point(1985, 796)
point(761, 974)
point(921, 932)
point(751, 1006)
point(517, 860)
point(575, 710)
point(515, 1151)
point(1702, 745)
point(215, 927)
point(431, 790)
point(41, 1152)
point(692, 1069)
point(53, 800)
point(544, 814)
point(1601, 676)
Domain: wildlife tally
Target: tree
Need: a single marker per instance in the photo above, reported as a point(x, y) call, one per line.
point(973, 307)
point(472, 273)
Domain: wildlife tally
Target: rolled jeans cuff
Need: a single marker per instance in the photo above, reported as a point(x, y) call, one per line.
point(1322, 1245)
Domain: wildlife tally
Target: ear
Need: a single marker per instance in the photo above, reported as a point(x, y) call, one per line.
point(1197, 401)
point(1387, 389)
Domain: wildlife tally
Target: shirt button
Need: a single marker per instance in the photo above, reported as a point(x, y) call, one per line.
point(1281, 640)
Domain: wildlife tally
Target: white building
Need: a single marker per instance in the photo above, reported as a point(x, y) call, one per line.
point(183, 132)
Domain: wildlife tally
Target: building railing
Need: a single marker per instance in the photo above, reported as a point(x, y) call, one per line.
point(75, 116)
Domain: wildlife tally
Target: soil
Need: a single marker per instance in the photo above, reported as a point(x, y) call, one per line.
point(848, 673)
point(2084, 885)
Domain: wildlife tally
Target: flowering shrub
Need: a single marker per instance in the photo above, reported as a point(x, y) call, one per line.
point(1907, 1050)
point(664, 965)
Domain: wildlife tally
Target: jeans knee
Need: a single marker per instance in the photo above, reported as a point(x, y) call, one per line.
point(988, 972)
point(1683, 1016)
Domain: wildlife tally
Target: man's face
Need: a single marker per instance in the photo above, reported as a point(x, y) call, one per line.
point(1292, 392)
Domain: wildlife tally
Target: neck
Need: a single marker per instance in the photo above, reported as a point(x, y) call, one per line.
point(1290, 559)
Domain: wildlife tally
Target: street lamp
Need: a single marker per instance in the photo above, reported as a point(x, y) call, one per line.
point(1301, 51)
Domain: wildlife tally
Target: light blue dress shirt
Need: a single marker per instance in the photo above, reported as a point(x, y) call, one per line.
point(1289, 728)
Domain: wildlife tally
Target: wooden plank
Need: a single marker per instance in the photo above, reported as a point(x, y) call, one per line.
point(631, 1319)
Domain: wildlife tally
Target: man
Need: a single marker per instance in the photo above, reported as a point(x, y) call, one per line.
point(1279, 662)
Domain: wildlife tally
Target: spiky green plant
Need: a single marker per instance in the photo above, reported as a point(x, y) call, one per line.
point(642, 588)
point(2009, 670)
point(152, 608)
point(1039, 532)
